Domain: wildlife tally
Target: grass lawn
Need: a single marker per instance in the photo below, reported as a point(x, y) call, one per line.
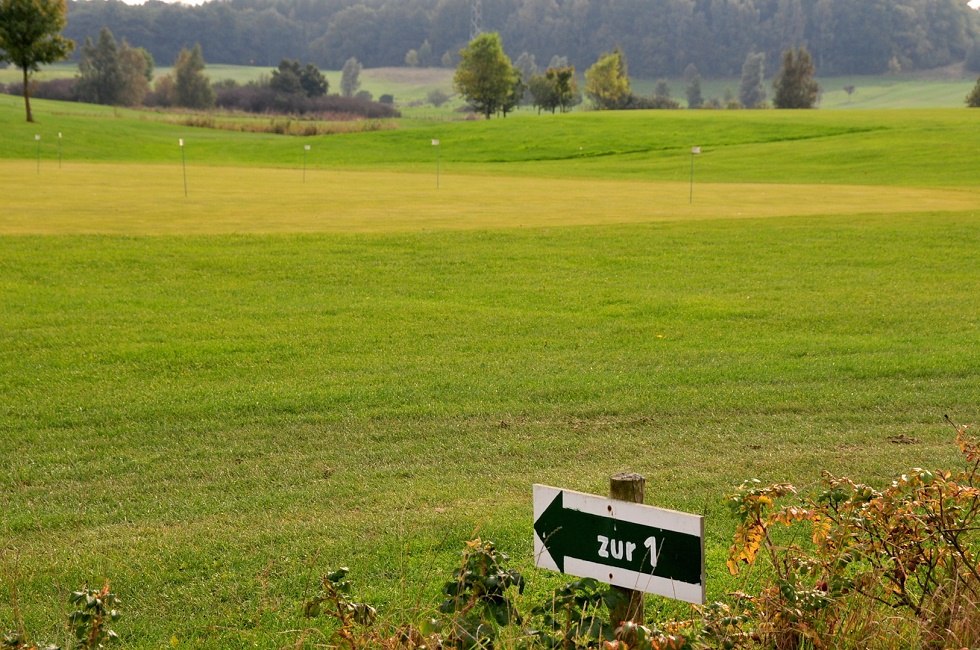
point(211, 399)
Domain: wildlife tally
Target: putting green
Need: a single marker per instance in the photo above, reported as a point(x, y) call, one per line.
point(149, 200)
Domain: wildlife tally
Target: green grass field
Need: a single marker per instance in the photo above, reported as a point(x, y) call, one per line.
point(211, 399)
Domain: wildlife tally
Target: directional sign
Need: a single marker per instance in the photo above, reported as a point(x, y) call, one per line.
point(621, 543)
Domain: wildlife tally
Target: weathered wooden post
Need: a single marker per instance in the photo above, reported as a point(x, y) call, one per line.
point(627, 487)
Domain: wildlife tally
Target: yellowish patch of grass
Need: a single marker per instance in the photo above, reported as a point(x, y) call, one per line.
point(149, 200)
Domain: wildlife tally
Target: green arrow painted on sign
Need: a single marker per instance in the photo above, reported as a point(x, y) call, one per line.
point(570, 533)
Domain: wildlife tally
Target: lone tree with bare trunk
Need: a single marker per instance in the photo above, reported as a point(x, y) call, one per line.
point(30, 35)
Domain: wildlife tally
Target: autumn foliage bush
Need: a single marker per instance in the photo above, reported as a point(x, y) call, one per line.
point(874, 565)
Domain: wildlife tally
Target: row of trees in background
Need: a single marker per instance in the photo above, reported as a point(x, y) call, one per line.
point(117, 74)
point(491, 84)
point(661, 37)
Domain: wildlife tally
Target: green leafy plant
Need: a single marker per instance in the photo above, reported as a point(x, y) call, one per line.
point(479, 596)
point(573, 617)
point(90, 622)
point(352, 616)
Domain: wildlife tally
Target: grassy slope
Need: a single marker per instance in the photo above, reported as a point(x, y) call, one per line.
point(211, 420)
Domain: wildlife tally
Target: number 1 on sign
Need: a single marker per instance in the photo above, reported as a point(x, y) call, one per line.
point(616, 549)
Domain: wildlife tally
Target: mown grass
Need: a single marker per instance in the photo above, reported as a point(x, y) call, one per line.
point(928, 148)
point(210, 400)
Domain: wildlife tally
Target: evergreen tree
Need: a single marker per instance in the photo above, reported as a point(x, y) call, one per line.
point(694, 97)
point(313, 82)
point(973, 99)
point(795, 84)
point(752, 89)
point(285, 79)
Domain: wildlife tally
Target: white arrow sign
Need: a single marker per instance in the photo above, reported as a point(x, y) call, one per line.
point(621, 543)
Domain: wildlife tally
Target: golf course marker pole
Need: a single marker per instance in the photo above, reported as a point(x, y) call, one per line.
point(183, 164)
point(695, 151)
point(435, 145)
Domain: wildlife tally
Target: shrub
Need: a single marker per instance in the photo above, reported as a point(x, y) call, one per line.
point(437, 97)
point(62, 90)
point(912, 547)
point(973, 99)
point(260, 98)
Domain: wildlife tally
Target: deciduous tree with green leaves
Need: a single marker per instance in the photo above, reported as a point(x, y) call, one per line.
point(607, 82)
point(485, 76)
point(114, 74)
point(193, 88)
point(350, 77)
point(30, 35)
point(795, 86)
point(752, 87)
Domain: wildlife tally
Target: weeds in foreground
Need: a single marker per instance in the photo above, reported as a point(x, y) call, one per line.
point(89, 623)
point(909, 550)
point(863, 567)
point(889, 568)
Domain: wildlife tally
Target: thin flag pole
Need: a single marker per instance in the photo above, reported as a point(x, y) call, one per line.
point(435, 144)
point(183, 163)
point(695, 151)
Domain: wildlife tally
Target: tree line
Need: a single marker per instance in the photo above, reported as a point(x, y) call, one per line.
point(491, 83)
point(659, 37)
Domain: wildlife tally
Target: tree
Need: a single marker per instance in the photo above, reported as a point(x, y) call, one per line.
point(544, 94)
point(350, 77)
point(694, 97)
point(566, 88)
point(607, 82)
point(973, 99)
point(752, 89)
point(292, 79)
point(113, 74)
point(313, 82)
point(285, 79)
point(516, 94)
point(795, 86)
point(30, 34)
point(485, 76)
point(425, 54)
point(191, 86)
point(100, 76)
